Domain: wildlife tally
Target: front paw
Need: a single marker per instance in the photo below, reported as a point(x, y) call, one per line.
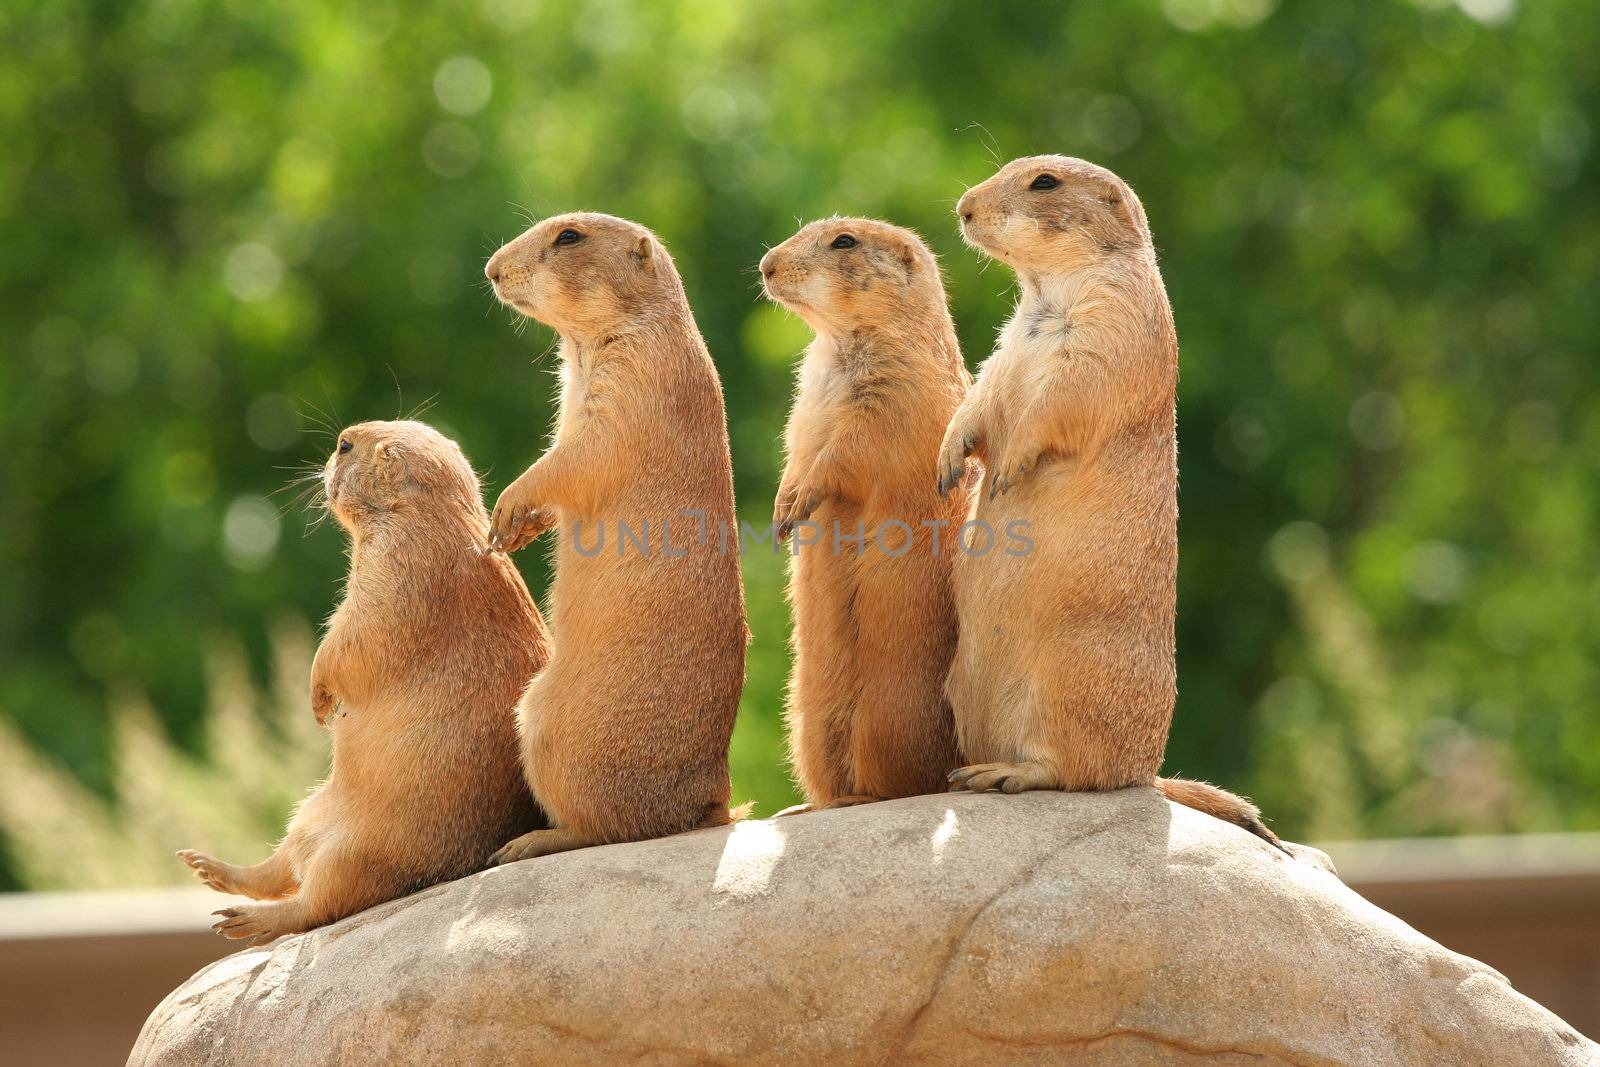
point(513, 513)
point(795, 506)
point(1011, 470)
point(323, 703)
point(959, 443)
point(535, 523)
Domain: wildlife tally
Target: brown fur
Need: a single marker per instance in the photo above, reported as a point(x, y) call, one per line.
point(625, 734)
point(1065, 673)
point(415, 679)
point(873, 632)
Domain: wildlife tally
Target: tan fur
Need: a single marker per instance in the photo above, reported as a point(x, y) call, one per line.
point(415, 679)
point(874, 631)
point(1065, 673)
point(625, 733)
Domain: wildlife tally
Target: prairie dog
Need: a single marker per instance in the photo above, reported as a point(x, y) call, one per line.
point(875, 623)
point(415, 679)
point(1065, 672)
point(625, 734)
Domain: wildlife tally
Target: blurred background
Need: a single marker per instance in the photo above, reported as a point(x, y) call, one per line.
point(228, 228)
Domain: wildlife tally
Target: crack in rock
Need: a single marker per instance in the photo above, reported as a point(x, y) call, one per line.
point(964, 932)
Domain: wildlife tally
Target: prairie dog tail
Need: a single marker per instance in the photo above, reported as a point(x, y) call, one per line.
point(722, 814)
point(1219, 804)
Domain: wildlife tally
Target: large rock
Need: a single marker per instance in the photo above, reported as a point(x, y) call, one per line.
point(1042, 928)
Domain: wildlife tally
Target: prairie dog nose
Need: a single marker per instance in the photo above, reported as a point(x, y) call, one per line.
point(964, 207)
point(491, 270)
point(768, 267)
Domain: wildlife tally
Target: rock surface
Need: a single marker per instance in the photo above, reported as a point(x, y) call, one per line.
point(989, 929)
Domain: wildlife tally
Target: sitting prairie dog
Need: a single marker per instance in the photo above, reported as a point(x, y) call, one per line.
point(625, 734)
point(874, 619)
point(1065, 673)
point(415, 680)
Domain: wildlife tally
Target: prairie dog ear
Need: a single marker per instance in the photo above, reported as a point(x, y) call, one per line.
point(383, 459)
point(903, 253)
point(389, 462)
point(1122, 205)
point(643, 253)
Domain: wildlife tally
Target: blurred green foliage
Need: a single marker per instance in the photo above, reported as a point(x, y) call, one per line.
point(222, 223)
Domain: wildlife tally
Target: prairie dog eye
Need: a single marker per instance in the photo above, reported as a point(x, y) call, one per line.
point(1044, 181)
point(844, 240)
point(568, 237)
point(344, 445)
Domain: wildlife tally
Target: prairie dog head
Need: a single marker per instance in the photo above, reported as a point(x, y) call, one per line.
point(583, 274)
point(841, 275)
point(1052, 214)
point(381, 468)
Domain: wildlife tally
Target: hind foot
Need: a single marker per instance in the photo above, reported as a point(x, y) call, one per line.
point(1006, 777)
point(223, 877)
point(258, 923)
point(268, 880)
point(538, 843)
point(847, 802)
point(836, 802)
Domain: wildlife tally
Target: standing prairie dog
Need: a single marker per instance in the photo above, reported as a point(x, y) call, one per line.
point(415, 680)
point(875, 623)
point(625, 734)
point(1065, 673)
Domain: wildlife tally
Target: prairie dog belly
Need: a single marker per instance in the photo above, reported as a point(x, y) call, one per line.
point(381, 766)
point(1074, 551)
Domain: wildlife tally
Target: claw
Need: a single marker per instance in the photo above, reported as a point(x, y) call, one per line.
point(1005, 777)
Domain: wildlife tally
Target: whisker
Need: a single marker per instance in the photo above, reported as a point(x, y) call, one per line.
point(329, 423)
point(400, 400)
point(303, 501)
point(423, 408)
point(527, 214)
point(298, 480)
point(295, 502)
point(314, 415)
point(328, 396)
point(986, 139)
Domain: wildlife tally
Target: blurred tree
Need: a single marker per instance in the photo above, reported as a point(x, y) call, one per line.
point(227, 228)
